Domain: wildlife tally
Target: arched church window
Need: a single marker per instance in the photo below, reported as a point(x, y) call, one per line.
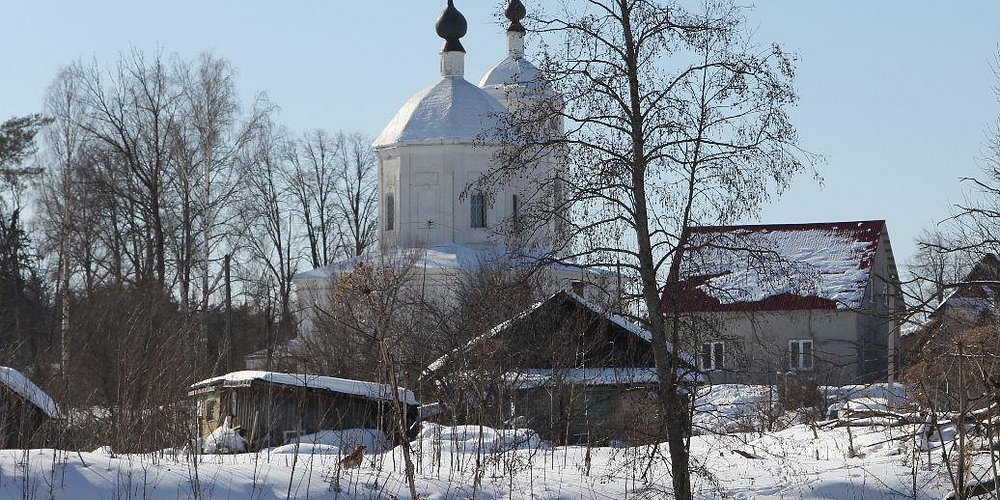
point(390, 212)
point(478, 203)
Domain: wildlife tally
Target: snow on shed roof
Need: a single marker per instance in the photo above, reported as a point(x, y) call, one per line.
point(17, 382)
point(543, 377)
point(451, 110)
point(618, 320)
point(369, 390)
point(777, 267)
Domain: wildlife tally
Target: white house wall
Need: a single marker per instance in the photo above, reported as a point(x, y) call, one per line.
point(756, 343)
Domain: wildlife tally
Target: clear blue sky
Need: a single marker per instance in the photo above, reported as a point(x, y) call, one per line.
point(896, 94)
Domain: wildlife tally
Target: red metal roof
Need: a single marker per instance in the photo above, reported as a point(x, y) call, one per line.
point(776, 267)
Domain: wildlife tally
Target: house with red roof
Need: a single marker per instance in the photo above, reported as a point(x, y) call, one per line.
point(820, 300)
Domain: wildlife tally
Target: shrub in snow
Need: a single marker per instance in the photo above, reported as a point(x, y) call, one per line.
point(337, 442)
point(225, 439)
point(735, 408)
point(799, 392)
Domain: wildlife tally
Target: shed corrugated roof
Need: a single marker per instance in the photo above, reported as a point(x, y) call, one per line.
point(369, 390)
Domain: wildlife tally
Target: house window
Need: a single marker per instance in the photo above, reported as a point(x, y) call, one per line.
point(800, 354)
point(478, 210)
point(712, 356)
point(390, 212)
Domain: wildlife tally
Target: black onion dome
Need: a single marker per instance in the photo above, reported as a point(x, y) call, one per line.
point(451, 25)
point(516, 12)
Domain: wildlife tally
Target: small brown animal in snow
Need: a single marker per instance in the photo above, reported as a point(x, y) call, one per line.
point(354, 459)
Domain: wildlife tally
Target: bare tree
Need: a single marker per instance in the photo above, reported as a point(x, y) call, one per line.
point(357, 205)
point(934, 269)
point(207, 175)
point(335, 184)
point(145, 171)
point(67, 144)
point(376, 310)
point(313, 183)
point(267, 214)
point(673, 118)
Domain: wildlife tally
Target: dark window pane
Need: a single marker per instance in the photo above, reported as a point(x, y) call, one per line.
point(478, 210)
point(807, 361)
point(717, 356)
point(706, 356)
point(390, 212)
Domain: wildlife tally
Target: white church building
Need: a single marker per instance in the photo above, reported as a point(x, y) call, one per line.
point(429, 156)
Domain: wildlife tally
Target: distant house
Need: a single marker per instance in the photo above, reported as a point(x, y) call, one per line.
point(819, 300)
point(27, 413)
point(972, 304)
point(565, 368)
point(272, 408)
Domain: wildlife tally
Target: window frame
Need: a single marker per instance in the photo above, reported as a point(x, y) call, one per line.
point(795, 347)
point(390, 212)
point(716, 351)
point(477, 211)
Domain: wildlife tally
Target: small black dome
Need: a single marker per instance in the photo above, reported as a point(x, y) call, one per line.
point(515, 12)
point(451, 25)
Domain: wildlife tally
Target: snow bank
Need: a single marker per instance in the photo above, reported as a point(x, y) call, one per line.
point(842, 394)
point(738, 407)
point(20, 384)
point(370, 390)
point(337, 442)
point(734, 407)
point(225, 439)
point(469, 438)
point(799, 462)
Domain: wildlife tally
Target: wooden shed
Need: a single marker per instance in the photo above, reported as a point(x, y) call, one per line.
point(566, 368)
point(27, 414)
point(271, 409)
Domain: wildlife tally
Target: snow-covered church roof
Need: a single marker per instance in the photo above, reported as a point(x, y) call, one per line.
point(516, 76)
point(452, 110)
point(514, 71)
point(446, 257)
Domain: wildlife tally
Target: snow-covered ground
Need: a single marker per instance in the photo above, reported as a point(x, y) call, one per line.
point(801, 461)
point(793, 463)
